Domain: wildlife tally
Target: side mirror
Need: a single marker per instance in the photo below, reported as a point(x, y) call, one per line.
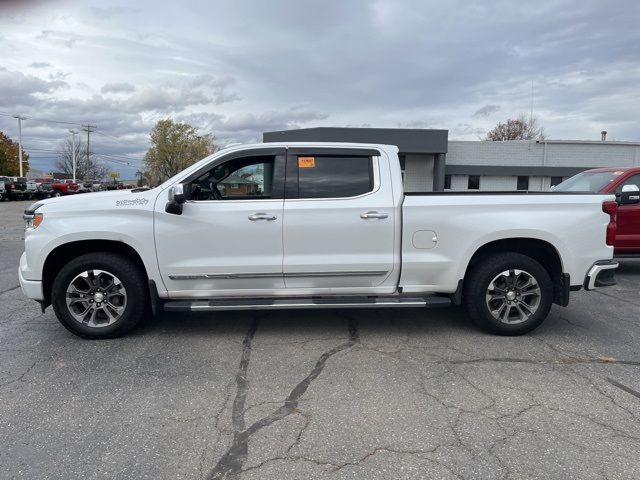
point(630, 195)
point(176, 199)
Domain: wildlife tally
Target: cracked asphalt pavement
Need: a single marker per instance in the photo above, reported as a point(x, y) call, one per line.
point(344, 394)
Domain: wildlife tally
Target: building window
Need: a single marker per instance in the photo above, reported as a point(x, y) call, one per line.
point(523, 183)
point(473, 182)
point(556, 181)
point(447, 182)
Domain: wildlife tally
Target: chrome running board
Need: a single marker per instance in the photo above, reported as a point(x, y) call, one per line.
point(300, 303)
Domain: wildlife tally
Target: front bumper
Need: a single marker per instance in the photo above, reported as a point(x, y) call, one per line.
point(31, 288)
point(601, 274)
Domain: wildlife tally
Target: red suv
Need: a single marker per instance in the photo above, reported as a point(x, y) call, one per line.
point(615, 181)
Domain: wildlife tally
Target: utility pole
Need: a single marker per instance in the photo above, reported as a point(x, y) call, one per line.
point(88, 128)
point(20, 118)
point(73, 151)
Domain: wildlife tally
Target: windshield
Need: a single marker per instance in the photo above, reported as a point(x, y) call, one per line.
point(593, 182)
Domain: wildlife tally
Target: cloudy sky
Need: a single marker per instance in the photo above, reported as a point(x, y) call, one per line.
point(236, 69)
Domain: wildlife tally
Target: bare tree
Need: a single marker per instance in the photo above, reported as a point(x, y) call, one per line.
point(521, 128)
point(86, 169)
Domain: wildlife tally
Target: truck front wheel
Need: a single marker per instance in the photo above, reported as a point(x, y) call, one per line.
point(99, 295)
point(508, 294)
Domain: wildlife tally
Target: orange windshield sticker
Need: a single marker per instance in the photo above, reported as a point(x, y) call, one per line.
point(306, 162)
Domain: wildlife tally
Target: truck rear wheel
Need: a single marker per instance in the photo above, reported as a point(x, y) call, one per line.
point(508, 294)
point(99, 295)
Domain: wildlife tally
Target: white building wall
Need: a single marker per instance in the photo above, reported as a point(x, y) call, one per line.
point(591, 155)
point(488, 182)
point(418, 173)
point(525, 152)
point(519, 153)
point(494, 153)
point(500, 183)
point(459, 182)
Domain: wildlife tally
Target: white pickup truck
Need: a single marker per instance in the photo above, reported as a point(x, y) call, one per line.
point(314, 225)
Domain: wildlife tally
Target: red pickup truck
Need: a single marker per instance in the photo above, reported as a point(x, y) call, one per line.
point(64, 187)
point(616, 181)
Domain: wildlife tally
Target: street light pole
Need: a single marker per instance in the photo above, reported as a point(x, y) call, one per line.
point(20, 118)
point(73, 152)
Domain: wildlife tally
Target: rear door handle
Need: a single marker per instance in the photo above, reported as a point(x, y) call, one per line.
point(262, 216)
point(373, 215)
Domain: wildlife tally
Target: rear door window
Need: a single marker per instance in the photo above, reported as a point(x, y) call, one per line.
point(329, 176)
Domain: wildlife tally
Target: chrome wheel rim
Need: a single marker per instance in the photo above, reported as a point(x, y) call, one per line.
point(513, 296)
point(96, 298)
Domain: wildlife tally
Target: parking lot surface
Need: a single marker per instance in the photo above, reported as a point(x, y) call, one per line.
point(408, 393)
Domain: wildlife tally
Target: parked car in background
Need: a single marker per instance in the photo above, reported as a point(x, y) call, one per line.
point(44, 189)
point(83, 187)
point(19, 189)
point(64, 187)
point(93, 185)
point(32, 189)
point(9, 187)
point(3, 190)
point(327, 225)
point(624, 183)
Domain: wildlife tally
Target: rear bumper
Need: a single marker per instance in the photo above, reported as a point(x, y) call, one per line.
point(601, 274)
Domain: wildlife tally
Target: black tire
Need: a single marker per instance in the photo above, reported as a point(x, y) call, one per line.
point(132, 280)
point(57, 193)
point(477, 284)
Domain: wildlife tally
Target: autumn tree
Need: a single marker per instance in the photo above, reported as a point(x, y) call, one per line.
point(174, 146)
point(520, 128)
point(9, 157)
point(87, 167)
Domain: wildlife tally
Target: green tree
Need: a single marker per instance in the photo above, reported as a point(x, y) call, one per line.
point(9, 157)
point(521, 128)
point(174, 147)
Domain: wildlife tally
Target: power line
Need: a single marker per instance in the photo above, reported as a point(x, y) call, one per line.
point(45, 120)
point(113, 160)
point(122, 157)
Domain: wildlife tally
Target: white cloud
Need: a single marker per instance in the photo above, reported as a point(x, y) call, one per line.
point(239, 69)
point(118, 87)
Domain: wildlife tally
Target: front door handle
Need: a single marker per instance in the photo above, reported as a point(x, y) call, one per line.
point(262, 216)
point(373, 215)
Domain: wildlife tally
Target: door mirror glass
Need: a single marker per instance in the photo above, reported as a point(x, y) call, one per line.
point(176, 199)
point(176, 194)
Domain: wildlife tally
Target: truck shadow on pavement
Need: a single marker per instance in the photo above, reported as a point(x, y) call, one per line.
point(629, 267)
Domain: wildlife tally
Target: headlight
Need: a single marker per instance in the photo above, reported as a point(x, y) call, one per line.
point(32, 221)
point(31, 218)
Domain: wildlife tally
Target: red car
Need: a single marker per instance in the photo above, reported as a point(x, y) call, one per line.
point(64, 187)
point(615, 181)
